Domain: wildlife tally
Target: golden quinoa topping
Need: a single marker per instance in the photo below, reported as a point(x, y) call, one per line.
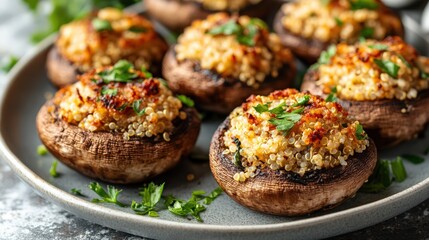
point(120, 99)
point(291, 131)
point(373, 70)
point(110, 35)
point(229, 5)
point(234, 47)
point(339, 20)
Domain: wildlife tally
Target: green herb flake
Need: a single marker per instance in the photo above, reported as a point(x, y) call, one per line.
point(302, 101)
point(146, 72)
point(325, 57)
point(137, 29)
point(285, 121)
point(398, 170)
point(261, 108)
point(109, 91)
point(381, 47)
point(9, 63)
point(360, 133)
point(325, 2)
point(415, 159)
point(42, 150)
point(151, 195)
point(237, 155)
point(404, 61)
point(121, 72)
point(339, 22)
point(136, 108)
point(77, 192)
point(366, 32)
point(278, 110)
point(363, 4)
point(388, 67)
point(101, 25)
point(111, 196)
point(229, 28)
point(380, 179)
point(212, 196)
point(53, 170)
point(186, 100)
point(332, 95)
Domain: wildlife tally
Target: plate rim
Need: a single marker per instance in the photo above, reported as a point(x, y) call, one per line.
point(74, 204)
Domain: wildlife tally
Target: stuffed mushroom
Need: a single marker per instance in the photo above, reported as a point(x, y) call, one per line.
point(383, 84)
point(101, 40)
point(118, 124)
point(222, 60)
point(291, 153)
point(178, 14)
point(309, 26)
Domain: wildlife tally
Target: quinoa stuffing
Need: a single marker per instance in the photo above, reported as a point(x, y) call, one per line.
point(291, 131)
point(120, 99)
point(226, 5)
point(234, 47)
point(108, 36)
point(339, 20)
point(371, 70)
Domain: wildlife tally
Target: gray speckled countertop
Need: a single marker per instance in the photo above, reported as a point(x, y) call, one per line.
point(25, 215)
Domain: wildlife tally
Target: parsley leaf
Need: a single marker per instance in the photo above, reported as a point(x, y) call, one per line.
point(302, 101)
point(380, 178)
point(137, 29)
point(53, 170)
point(244, 35)
point(325, 57)
point(136, 107)
point(285, 121)
point(186, 100)
point(111, 196)
point(398, 170)
point(101, 25)
point(360, 133)
point(339, 22)
point(41, 150)
point(388, 67)
point(332, 95)
point(9, 63)
point(119, 73)
point(413, 158)
point(363, 4)
point(212, 196)
point(366, 32)
point(32, 4)
point(261, 108)
point(379, 46)
point(109, 91)
point(146, 72)
point(151, 194)
point(77, 192)
point(237, 156)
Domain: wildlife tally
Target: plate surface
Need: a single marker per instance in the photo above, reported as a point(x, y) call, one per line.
point(224, 219)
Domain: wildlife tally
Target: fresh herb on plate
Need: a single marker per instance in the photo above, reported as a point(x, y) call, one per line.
point(41, 150)
point(109, 91)
point(380, 179)
point(415, 159)
point(424, 75)
point(77, 192)
point(398, 170)
point(137, 29)
point(151, 194)
point(136, 108)
point(260, 108)
point(186, 100)
point(363, 4)
point(9, 63)
point(53, 170)
point(339, 22)
point(245, 35)
point(101, 25)
point(332, 95)
point(111, 196)
point(388, 67)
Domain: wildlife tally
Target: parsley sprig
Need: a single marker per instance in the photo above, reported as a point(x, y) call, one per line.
point(151, 194)
point(388, 67)
point(53, 170)
point(363, 4)
point(360, 133)
point(121, 72)
point(325, 57)
point(101, 25)
point(245, 35)
point(332, 95)
point(186, 100)
point(111, 196)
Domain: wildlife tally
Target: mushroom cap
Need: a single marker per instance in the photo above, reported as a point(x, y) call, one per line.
point(107, 156)
point(290, 194)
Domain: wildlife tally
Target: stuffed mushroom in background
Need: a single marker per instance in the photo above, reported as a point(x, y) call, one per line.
point(291, 153)
point(178, 14)
point(309, 26)
point(118, 124)
point(383, 84)
point(222, 60)
point(101, 40)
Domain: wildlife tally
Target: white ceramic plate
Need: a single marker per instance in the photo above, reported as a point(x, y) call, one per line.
point(224, 219)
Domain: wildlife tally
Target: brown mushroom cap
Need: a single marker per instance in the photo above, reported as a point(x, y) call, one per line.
point(176, 15)
point(212, 92)
point(389, 121)
point(289, 193)
point(107, 156)
point(310, 49)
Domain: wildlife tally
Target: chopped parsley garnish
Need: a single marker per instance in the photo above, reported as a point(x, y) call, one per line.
point(151, 194)
point(137, 29)
point(404, 61)
point(285, 121)
point(9, 63)
point(332, 95)
point(109, 91)
point(101, 25)
point(379, 46)
point(53, 170)
point(146, 72)
point(302, 101)
point(325, 57)
point(122, 107)
point(119, 73)
point(366, 32)
point(244, 35)
point(237, 156)
point(279, 109)
point(111, 196)
point(380, 178)
point(398, 170)
point(136, 107)
point(41, 150)
point(388, 67)
point(339, 22)
point(413, 158)
point(261, 108)
point(363, 4)
point(360, 133)
point(424, 75)
point(77, 192)
point(186, 100)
